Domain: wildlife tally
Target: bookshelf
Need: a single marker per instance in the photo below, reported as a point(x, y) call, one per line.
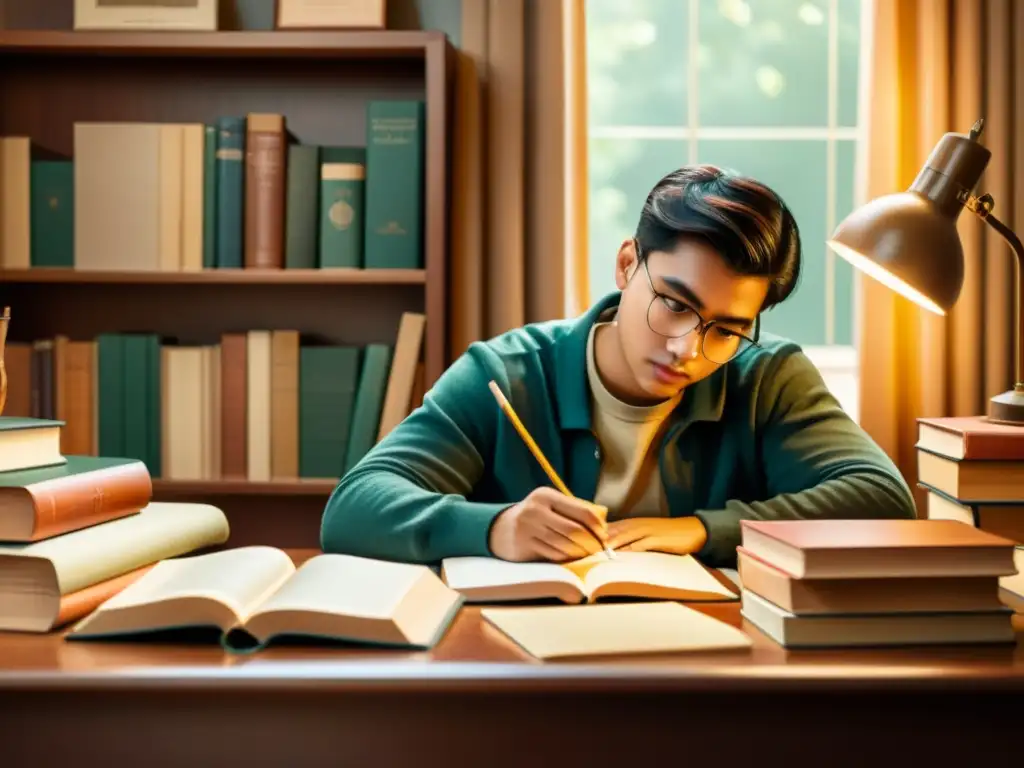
point(321, 82)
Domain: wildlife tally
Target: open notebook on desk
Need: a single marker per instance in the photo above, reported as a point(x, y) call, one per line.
point(647, 575)
point(254, 594)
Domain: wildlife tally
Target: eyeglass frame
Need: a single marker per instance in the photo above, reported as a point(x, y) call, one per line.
point(702, 324)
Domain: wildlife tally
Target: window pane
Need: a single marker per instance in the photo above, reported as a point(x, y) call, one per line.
point(622, 173)
point(763, 62)
point(846, 153)
point(636, 62)
point(849, 61)
point(796, 171)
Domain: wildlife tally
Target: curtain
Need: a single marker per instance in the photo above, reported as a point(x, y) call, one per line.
point(938, 66)
point(518, 155)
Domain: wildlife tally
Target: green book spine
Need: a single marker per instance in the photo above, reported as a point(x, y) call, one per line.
point(154, 395)
point(52, 213)
point(373, 378)
point(110, 401)
point(394, 185)
point(210, 197)
point(136, 398)
point(327, 386)
point(341, 214)
point(301, 207)
point(230, 192)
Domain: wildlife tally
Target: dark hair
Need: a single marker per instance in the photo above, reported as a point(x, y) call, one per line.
point(743, 219)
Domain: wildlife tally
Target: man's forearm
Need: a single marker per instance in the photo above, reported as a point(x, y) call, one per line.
point(859, 495)
point(378, 513)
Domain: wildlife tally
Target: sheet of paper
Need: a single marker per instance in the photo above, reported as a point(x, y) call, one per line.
point(615, 628)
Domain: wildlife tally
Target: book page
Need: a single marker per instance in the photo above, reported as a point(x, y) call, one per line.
point(669, 576)
point(345, 585)
point(491, 578)
point(91, 555)
point(238, 578)
point(613, 629)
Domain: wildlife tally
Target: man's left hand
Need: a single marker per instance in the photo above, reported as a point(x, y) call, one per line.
point(677, 536)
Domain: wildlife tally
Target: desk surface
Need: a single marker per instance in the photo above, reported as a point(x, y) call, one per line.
point(376, 705)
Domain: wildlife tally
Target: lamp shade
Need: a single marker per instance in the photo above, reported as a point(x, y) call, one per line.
point(909, 240)
point(902, 241)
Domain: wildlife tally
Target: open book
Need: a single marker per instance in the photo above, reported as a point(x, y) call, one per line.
point(255, 594)
point(649, 575)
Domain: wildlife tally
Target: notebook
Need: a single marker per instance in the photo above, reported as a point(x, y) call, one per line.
point(255, 594)
point(551, 632)
point(647, 575)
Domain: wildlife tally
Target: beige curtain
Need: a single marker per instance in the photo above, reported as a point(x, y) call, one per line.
point(937, 66)
point(516, 165)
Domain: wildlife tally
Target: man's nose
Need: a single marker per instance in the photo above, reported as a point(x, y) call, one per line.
point(685, 347)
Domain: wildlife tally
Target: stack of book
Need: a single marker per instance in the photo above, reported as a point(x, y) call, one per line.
point(844, 583)
point(76, 530)
point(973, 472)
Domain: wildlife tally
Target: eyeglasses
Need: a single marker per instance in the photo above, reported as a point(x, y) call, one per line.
point(673, 319)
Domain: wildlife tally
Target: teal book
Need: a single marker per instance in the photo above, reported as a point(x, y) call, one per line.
point(327, 385)
point(394, 185)
point(52, 213)
point(341, 214)
point(110, 394)
point(302, 207)
point(230, 182)
point(210, 197)
point(373, 379)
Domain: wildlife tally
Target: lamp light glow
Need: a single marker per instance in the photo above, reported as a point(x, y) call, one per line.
point(885, 277)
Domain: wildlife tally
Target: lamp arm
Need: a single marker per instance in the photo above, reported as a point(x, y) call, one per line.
point(982, 207)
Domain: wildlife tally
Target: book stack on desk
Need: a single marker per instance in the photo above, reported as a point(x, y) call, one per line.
point(75, 530)
point(839, 583)
point(973, 471)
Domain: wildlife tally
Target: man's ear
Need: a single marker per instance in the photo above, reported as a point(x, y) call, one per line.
point(625, 263)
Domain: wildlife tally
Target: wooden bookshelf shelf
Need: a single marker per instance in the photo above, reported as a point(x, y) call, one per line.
point(291, 44)
point(230, 487)
point(222, 277)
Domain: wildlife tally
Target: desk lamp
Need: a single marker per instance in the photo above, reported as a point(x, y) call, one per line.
point(908, 241)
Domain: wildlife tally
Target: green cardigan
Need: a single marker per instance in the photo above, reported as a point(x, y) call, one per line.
point(760, 439)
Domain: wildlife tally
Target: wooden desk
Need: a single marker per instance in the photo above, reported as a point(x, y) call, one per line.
point(476, 699)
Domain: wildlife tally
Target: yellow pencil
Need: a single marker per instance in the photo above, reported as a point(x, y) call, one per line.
point(506, 406)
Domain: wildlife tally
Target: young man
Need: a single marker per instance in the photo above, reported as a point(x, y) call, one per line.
point(664, 409)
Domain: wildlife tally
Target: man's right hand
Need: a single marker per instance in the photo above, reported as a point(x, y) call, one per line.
point(548, 525)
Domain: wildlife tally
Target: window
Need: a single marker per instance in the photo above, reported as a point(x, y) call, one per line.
point(766, 87)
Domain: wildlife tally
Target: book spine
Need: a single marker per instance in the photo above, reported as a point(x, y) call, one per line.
point(209, 197)
point(341, 214)
point(394, 185)
point(266, 160)
point(327, 383)
point(53, 213)
point(234, 367)
point(369, 401)
point(110, 392)
point(230, 192)
point(302, 207)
